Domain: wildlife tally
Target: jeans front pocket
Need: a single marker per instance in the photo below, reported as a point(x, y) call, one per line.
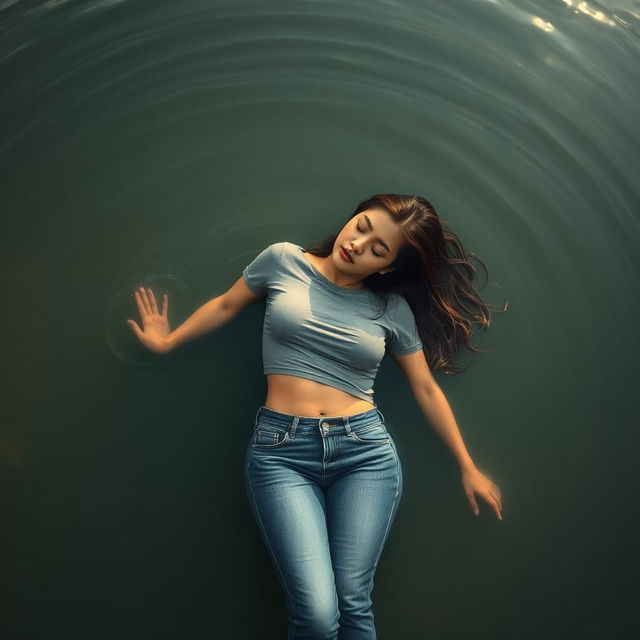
point(268, 436)
point(376, 434)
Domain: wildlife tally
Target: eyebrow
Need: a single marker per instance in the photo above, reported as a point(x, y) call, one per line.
point(384, 244)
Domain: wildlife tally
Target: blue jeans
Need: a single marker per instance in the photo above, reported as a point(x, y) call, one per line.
point(324, 492)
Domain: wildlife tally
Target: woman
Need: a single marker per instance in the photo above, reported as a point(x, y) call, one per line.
point(322, 472)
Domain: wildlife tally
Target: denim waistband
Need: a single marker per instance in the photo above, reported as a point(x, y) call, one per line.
point(268, 416)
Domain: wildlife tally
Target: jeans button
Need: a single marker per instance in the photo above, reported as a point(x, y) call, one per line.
point(324, 425)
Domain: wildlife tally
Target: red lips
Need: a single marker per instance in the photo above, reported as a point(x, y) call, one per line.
point(346, 255)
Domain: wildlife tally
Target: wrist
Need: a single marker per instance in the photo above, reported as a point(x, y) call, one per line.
point(467, 465)
point(169, 342)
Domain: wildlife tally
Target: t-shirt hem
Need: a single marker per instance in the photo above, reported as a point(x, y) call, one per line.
point(403, 351)
point(251, 286)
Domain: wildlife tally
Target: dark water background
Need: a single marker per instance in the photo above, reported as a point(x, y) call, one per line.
point(165, 144)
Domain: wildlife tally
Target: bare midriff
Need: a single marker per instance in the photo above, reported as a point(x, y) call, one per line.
point(304, 397)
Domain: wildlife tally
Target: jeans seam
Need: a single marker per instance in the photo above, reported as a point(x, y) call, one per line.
point(271, 445)
point(266, 537)
point(391, 512)
point(356, 437)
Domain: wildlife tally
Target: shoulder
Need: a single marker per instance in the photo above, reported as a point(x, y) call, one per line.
point(399, 309)
point(272, 253)
point(281, 249)
point(397, 301)
point(401, 301)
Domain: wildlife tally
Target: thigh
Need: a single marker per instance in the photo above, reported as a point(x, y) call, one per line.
point(289, 509)
point(361, 507)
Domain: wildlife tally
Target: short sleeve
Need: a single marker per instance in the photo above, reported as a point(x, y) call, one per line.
point(404, 337)
point(260, 271)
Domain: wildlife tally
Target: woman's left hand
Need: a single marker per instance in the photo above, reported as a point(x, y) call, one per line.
point(473, 482)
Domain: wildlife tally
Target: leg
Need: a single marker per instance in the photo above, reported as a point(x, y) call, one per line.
point(289, 509)
point(361, 507)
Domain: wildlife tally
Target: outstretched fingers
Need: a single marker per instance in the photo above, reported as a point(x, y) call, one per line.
point(142, 302)
point(152, 301)
point(165, 305)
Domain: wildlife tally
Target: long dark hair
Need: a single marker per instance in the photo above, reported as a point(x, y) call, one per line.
point(433, 272)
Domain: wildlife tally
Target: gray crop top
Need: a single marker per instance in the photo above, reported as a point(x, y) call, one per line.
point(316, 329)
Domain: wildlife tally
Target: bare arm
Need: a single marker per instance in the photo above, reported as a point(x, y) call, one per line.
point(439, 415)
point(209, 317)
point(213, 314)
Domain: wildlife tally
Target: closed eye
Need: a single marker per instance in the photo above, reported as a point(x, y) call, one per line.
point(372, 251)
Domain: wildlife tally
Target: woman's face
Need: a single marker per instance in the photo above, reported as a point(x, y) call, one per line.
point(373, 239)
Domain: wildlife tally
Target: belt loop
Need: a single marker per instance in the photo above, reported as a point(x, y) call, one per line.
point(347, 426)
point(381, 415)
point(294, 425)
point(255, 420)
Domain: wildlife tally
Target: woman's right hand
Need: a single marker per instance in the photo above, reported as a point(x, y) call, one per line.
point(155, 325)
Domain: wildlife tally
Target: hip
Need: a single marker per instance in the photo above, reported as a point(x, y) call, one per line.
point(322, 447)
